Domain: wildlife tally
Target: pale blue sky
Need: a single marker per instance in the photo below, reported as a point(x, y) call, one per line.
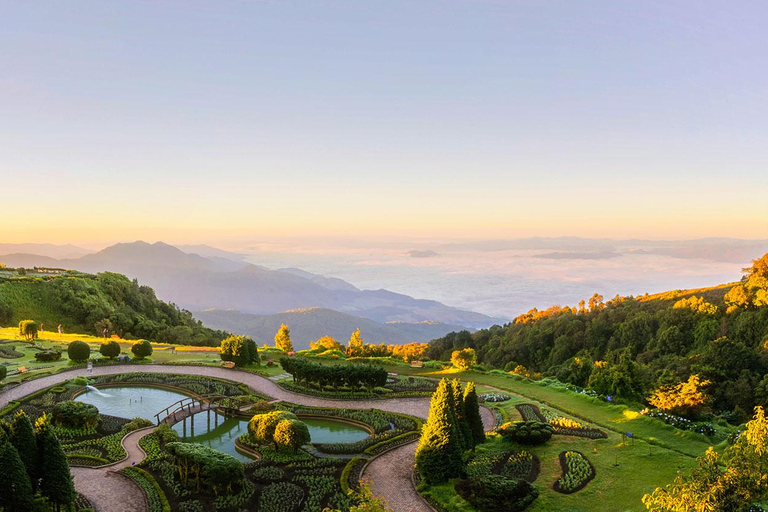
point(192, 121)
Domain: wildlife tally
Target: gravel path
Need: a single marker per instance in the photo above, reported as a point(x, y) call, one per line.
point(111, 492)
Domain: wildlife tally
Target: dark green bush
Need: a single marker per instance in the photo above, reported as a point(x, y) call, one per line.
point(527, 432)
point(48, 355)
point(142, 349)
point(242, 350)
point(71, 414)
point(209, 469)
point(3, 372)
point(496, 493)
point(352, 376)
point(79, 351)
point(110, 349)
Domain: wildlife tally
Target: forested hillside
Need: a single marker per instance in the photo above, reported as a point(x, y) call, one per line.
point(90, 303)
point(628, 347)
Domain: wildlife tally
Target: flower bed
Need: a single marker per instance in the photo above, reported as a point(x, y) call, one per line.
point(578, 471)
point(681, 423)
point(560, 424)
point(493, 397)
point(522, 465)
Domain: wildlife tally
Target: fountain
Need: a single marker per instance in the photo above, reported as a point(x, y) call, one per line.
point(89, 387)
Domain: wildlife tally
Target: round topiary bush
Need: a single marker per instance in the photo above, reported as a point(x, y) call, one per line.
point(48, 355)
point(71, 414)
point(79, 351)
point(527, 432)
point(142, 349)
point(110, 349)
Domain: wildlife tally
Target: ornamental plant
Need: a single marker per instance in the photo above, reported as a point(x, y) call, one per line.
point(207, 468)
point(527, 432)
point(79, 351)
point(28, 330)
point(55, 480)
point(262, 426)
point(15, 486)
point(472, 413)
point(439, 453)
point(71, 414)
point(142, 349)
point(241, 350)
point(291, 433)
point(110, 349)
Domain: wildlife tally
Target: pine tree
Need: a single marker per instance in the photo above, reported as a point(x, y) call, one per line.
point(23, 439)
point(283, 339)
point(438, 456)
point(465, 434)
point(15, 487)
point(56, 480)
point(472, 414)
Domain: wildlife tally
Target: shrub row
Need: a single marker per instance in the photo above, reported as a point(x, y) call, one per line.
point(350, 476)
point(156, 498)
point(352, 376)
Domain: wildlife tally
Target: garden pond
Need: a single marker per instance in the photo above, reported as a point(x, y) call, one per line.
point(210, 429)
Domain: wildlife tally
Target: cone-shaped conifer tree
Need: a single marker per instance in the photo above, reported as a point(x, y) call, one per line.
point(15, 487)
point(56, 480)
point(472, 414)
point(23, 439)
point(465, 433)
point(439, 454)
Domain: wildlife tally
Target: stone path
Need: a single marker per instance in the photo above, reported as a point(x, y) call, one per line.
point(102, 486)
point(110, 491)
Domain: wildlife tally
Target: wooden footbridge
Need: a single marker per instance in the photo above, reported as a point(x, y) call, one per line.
point(189, 406)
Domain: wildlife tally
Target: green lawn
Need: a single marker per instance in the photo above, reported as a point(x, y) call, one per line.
point(162, 354)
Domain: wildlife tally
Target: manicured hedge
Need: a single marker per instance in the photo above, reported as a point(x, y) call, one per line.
point(350, 476)
point(156, 498)
point(352, 376)
point(527, 432)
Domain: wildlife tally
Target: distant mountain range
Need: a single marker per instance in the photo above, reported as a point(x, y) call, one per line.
point(223, 281)
point(310, 324)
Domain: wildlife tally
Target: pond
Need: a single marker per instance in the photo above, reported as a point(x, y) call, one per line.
point(130, 401)
point(213, 430)
point(221, 432)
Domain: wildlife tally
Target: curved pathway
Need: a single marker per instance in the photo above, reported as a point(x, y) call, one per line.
point(390, 473)
point(108, 490)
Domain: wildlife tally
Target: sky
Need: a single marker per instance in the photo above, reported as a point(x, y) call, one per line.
point(240, 120)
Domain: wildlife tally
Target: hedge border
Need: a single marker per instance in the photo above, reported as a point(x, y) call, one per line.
point(139, 476)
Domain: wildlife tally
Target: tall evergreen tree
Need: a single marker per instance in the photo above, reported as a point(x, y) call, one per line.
point(465, 434)
point(438, 456)
point(56, 481)
point(472, 414)
point(23, 439)
point(15, 487)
